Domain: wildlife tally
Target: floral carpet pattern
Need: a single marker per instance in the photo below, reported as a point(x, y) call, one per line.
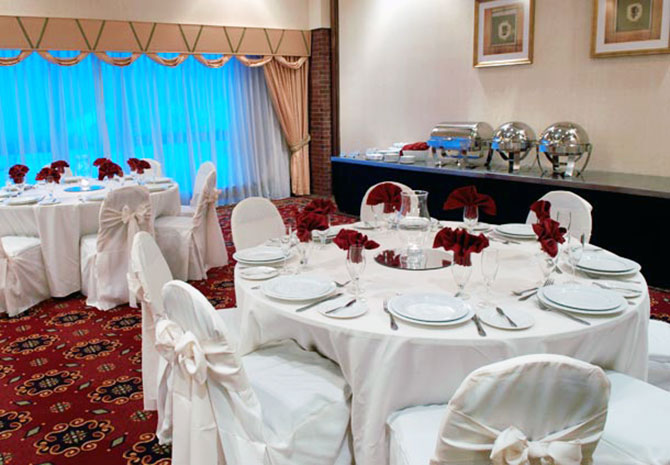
point(70, 376)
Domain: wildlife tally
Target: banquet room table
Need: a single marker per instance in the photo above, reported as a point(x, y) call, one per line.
point(61, 225)
point(419, 365)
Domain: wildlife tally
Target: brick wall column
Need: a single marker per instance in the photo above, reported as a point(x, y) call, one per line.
point(320, 113)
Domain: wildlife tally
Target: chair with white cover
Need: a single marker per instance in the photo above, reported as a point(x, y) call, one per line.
point(148, 273)
point(156, 169)
point(200, 178)
point(638, 424)
point(105, 256)
point(534, 406)
point(366, 214)
point(279, 405)
point(193, 245)
point(255, 220)
point(23, 279)
point(580, 211)
point(659, 354)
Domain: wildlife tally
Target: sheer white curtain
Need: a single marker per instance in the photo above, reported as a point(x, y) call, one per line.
point(182, 116)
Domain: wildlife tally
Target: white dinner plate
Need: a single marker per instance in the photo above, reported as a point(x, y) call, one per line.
point(50, 202)
point(459, 321)
point(95, 197)
point(517, 230)
point(23, 200)
point(5, 194)
point(260, 254)
point(548, 303)
point(157, 187)
point(161, 181)
point(582, 297)
point(298, 287)
point(353, 311)
point(600, 262)
point(258, 273)
point(429, 307)
point(491, 317)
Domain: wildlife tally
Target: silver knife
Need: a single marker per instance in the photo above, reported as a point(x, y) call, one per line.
point(314, 304)
point(480, 328)
point(348, 304)
point(502, 313)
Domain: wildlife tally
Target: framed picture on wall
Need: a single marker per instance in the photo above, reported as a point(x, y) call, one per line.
point(630, 27)
point(503, 32)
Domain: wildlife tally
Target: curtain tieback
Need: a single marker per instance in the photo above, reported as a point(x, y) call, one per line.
point(301, 144)
point(511, 447)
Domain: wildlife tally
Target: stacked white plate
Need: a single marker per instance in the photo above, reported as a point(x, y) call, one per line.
point(516, 231)
point(298, 288)
point(608, 265)
point(578, 298)
point(432, 309)
point(23, 200)
point(262, 255)
point(155, 187)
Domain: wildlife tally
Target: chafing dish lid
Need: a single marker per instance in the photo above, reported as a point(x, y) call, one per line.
point(473, 131)
point(564, 138)
point(514, 136)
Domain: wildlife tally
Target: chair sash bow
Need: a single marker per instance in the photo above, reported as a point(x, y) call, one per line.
point(511, 447)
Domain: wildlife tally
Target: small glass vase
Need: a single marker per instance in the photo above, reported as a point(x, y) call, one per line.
point(471, 217)
point(461, 275)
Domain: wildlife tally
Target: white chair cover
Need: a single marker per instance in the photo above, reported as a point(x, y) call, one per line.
point(193, 245)
point(659, 354)
point(255, 220)
point(525, 409)
point(124, 212)
point(581, 222)
point(23, 280)
point(156, 168)
point(215, 410)
point(149, 272)
point(366, 210)
point(200, 179)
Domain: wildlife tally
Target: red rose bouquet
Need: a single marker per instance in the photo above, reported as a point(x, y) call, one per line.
point(99, 161)
point(109, 169)
point(49, 175)
point(18, 173)
point(138, 165)
point(60, 165)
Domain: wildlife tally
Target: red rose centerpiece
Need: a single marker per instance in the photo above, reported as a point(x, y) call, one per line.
point(49, 175)
point(138, 166)
point(60, 165)
point(108, 169)
point(470, 201)
point(100, 161)
point(18, 173)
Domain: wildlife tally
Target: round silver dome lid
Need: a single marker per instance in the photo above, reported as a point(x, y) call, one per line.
point(513, 136)
point(564, 138)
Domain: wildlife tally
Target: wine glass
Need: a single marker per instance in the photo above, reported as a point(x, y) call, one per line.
point(547, 265)
point(471, 217)
point(286, 244)
point(355, 267)
point(51, 185)
point(461, 275)
point(575, 251)
point(304, 249)
point(490, 267)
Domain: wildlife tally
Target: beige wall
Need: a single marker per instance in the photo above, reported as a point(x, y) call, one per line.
point(407, 64)
point(285, 14)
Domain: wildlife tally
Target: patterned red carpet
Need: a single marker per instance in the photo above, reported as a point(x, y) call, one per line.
point(70, 380)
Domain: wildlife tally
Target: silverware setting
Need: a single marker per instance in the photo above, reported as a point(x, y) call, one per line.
point(502, 241)
point(564, 313)
point(342, 307)
point(501, 312)
point(478, 323)
point(548, 282)
point(616, 288)
point(314, 304)
point(394, 325)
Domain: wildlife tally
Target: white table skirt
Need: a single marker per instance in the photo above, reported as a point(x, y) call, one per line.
point(60, 227)
point(390, 370)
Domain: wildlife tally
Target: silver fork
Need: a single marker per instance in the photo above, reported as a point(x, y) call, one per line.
point(394, 325)
point(548, 282)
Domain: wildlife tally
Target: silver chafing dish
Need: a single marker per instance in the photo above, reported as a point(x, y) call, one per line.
point(469, 144)
point(513, 141)
point(564, 144)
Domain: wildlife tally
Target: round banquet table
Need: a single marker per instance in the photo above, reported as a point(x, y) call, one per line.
point(418, 365)
point(60, 226)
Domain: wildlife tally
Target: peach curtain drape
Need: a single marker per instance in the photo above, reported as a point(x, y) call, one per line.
point(63, 61)
point(125, 61)
point(288, 85)
point(15, 60)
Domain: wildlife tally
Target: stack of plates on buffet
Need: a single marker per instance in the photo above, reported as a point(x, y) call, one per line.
point(23, 200)
point(298, 288)
point(578, 298)
point(432, 309)
point(516, 231)
point(262, 255)
point(604, 264)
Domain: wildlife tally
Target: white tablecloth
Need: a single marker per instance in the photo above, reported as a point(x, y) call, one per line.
point(60, 226)
point(390, 370)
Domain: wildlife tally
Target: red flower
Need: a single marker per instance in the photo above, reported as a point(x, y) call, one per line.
point(132, 163)
point(387, 193)
point(542, 209)
point(550, 234)
point(461, 242)
point(100, 161)
point(60, 165)
point(348, 237)
point(467, 196)
point(138, 165)
point(109, 169)
point(415, 146)
point(321, 206)
point(48, 174)
point(308, 222)
point(18, 173)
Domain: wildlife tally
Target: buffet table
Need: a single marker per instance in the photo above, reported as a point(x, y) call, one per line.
point(416, 365)
point(60, 226)
point(628, 210)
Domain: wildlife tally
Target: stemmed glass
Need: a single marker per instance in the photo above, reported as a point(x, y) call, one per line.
point(575, 251)
point(51, 185)
point(470, 217)
point(564, 218)
point(461, 275)
point(378, 212)
point(547, 265)
point(286, 244)
point(304, 249)
point(355, 267)
point(490, 267)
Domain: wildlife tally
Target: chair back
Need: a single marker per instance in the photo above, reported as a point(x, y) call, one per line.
point(156, 169)
point(200, 179)
point(207, 233)
point(255, 220)
point(366, 210)
point(545, 406)
point(214, 408)
point(580, 212)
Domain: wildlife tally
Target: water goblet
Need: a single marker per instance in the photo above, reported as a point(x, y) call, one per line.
point(461, 275)
point(378, 213)
point(547, 265)
point(355, 267)
point(490, 267)
point(576, 247)
point(304, 249)
point(471, 217)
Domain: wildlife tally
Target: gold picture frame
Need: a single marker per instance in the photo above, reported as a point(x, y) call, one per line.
point(504, 32)
point(630, 27)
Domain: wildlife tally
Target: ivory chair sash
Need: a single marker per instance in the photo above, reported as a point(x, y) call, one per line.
point(148, 273)
point(516, 412)
point(200, 178)
point(255, 220)
point(156, 169)
point(193, 245)
point(23, 279)
point(366, 210)
point(580, 221)
point(105, 256)
point(277, 406)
